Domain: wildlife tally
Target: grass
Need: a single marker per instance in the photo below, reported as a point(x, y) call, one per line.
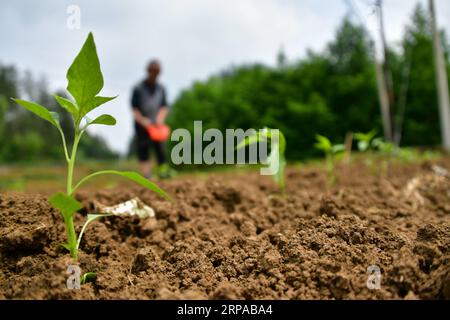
point(49, 177)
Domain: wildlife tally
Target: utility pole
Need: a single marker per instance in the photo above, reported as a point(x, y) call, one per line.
point(385, 83)
point(384, 101)
point(441, 81)
point(383, 77)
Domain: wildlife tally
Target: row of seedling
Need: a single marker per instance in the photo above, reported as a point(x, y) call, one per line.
point(378, 152)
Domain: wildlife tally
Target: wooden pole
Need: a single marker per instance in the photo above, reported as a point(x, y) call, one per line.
point(441, 81)
point(348, 147)
point(384, 102)
point(387, 82)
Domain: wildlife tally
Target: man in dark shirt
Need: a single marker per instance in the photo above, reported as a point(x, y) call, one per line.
point(149, 107)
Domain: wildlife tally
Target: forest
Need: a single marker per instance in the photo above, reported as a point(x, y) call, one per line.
point(329, 93)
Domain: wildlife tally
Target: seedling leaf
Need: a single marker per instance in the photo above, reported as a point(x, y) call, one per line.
point(40, 111)
point(364, 139)
point(85, 79)
point(136, 177)
point(104, 119)
point(279, 176)
point(90, 218)
point(363, 145)
point(337, 148)
point(68, 105)
point(88, 277)
point(67, 205)
point(281, 146)
point(96, 102)
point(365, 136)
point(254, 138)
point(323, 143)
point(282, 142)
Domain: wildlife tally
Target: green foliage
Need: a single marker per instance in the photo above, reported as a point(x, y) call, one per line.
point(104, 119)
point(331, 151)
point(384, 147)
point(88, 277)
point(40, 111)
point(68, 105)
point(130, 175)
point(277, 154)
point(365, 139)
point(324, 144)
point(421, 126)
point(85, 82)
point(27, 138)
point(29, 144)
point(332, 92)
point(67, 205)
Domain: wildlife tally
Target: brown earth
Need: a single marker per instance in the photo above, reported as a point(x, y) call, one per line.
point(232, 236)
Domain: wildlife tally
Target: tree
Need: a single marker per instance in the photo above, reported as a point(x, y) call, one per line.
point(421, 125)
point(330, 92)
point(27, 138)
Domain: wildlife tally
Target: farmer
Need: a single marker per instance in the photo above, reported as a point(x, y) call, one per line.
point(149, 108)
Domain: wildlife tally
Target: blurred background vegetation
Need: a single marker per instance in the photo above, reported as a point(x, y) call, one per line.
point(331, 92)
point(23, 136)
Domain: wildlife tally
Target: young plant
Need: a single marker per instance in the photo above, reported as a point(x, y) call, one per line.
point(366, 143)
point(383, 147)
point(331, 152)
point(385, 151)
point(278, 148)
point(365, 139)
point(85, 81)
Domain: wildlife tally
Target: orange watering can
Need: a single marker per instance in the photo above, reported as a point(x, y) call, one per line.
point(158, 132)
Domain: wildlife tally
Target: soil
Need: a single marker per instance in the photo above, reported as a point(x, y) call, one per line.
point(233, 236)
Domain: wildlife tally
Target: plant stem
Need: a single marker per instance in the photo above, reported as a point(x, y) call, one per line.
point(71, 163)
point(71, 238)
point(66, 154)
point(329, 163)
point(70, 227)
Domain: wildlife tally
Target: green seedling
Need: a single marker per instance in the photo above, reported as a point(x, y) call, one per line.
point(88, 277)
point(331, 152)
point(85, 81)
point(366, 143)
point(383, 147)
point(385, 151)
point(278, 145)
point(365, 139)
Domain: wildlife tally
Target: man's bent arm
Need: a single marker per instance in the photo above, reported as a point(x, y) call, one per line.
point(139, 117)
point(162, 114)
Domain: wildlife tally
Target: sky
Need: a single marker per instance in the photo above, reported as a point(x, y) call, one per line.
point(192, 38)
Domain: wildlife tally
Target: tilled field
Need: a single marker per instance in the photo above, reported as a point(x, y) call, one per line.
point(232, 236)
